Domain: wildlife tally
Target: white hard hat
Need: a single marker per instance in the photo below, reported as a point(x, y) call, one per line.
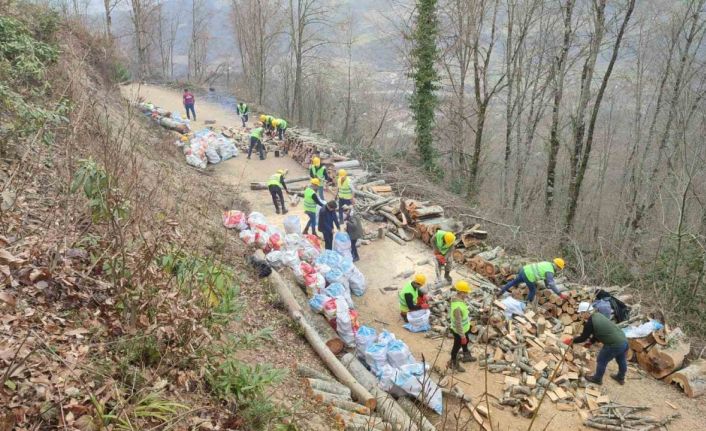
point(585, 307)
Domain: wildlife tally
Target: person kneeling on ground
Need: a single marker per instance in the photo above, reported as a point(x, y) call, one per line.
point(311, 200)
point(615, 345)
point(534, 272)
point(411, 297)
point(327, 219)
point(354, 228)
point(460, 325)
point(275, 185)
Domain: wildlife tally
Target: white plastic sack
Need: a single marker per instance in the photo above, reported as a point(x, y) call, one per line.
point(424, 389)
point(344, 325)
point(212, 155)
point(292, 224)
point(513, 306)
point(235, 219)
point(257, 221)
point(337, 290)
point(226, 149)
point(418, 320)
point(290, 259)
point(261, 238)
point(363, 339)
point(196, 161)
point(307, 251)
point(247, 236)
point(643, 330)
point(388, 374)
point(356, 281)
point(376, 357)
point(398, 354)
point(386, 337)
point(336, 276)
point(317, 302)
point(317, 284)
point(342, 245)
point(274, 258)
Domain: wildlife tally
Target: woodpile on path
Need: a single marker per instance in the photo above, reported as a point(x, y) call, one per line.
point(526, 347)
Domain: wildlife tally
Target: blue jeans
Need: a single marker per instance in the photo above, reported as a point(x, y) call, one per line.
point(342, 202)
point(516, 282)
point(311, 222)
point(256, 142)
point(190, 107)
point(321, 192)
point(609, 353)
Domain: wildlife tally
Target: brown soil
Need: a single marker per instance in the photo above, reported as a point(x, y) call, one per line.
point(383, 261)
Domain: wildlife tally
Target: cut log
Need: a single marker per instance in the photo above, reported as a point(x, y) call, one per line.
point(295, 312)
point(341, 403)
point(333, 388)
point(390, 217)
point(427, 212)
point(691, 379)
point(305, 371)
point(381, 189)
point(395, 238)
point(664, 360)
point(348, 164)
point(387, 407)
point(415, 414)
point(640, 344)
point(458, 256)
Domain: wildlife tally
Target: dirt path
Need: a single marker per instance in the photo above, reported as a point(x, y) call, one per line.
point(382, 262)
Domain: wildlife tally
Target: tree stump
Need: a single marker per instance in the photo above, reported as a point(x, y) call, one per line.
point(691, 379)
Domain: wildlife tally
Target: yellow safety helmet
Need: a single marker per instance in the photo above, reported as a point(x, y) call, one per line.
point(463, 286)
point(420, 279)
point(263, 117)
point(449, 238)
point(282, 171)
point(315, 181)
point(559, 262)
point(342, 173)
point(275, 123)
point(316, 161)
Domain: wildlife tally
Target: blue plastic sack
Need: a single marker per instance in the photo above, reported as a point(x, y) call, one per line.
point(317, 302)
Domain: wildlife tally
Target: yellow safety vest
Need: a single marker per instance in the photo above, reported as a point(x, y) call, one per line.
point(344, 188)
point(275, 180)
point(458, 304)
point(309, 202)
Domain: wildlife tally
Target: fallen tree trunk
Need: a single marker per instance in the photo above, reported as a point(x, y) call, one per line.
point(387, 407)
point(415, 414)
point(305, 371)
point(395, 238)
point(340, 402)
point(348, 164)
point(691, 379)
point(663, 361)
point(341, 373)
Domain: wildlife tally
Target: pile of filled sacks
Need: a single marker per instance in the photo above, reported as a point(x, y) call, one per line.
point(395, 367)
point(206, 146)
point(328, 276)
point(167, 119)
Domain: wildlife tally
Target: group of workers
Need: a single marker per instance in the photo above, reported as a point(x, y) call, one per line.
point(597, 326)
point(267, 125)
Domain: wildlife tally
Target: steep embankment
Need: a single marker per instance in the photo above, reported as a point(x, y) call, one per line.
point(384, 261)
point(123, 302)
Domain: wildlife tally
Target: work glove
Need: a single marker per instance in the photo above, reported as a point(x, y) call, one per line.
point(441, 259)
point(564, 296)
point(425, 306)
point(464, 340)
point(568, 341)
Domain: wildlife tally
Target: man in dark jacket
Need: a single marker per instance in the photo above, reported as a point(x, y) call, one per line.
point(354, 228)
point(327, 219)
point(615, 345)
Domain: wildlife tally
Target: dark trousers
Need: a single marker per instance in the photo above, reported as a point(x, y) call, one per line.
point(190, 107)
point(342, 202)
point(457, 345)
point(607, 354)
point(516, 282)
point(244, 119)
point(277, 197)
point(280, 133)
point(354, 250)
point(256, 142)
point(328, 239)
point(311, 222)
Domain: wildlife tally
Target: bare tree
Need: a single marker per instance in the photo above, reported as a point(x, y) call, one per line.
point(307, 19)
point(108, 6)
point(140, 13)
point(167, 25)
point(198, 43)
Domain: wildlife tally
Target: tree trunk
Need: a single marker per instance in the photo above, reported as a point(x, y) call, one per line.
point(691, 379)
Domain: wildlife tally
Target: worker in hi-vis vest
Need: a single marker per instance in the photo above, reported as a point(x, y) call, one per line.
point(460, 325)
point(411, 299)
point(311, 200)
point(275, 185)
point(443, 244)
point(345, 191)
point(536, 272)
point(317, 170)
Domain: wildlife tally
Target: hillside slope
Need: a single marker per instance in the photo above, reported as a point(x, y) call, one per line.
point(123, 303)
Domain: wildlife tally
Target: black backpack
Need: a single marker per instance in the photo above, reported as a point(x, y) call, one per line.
point(620, 310)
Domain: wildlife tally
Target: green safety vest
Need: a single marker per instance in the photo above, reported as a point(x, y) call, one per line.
point(458, 304)
point(275, 180)
point(537, 271)
point(318, 172)
point(282, 124)
point(344, 189)
point(257, 133)
point(268, 120)
point(309, 202)
point(408, 288)
point(440, 244)
point(243, 108)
